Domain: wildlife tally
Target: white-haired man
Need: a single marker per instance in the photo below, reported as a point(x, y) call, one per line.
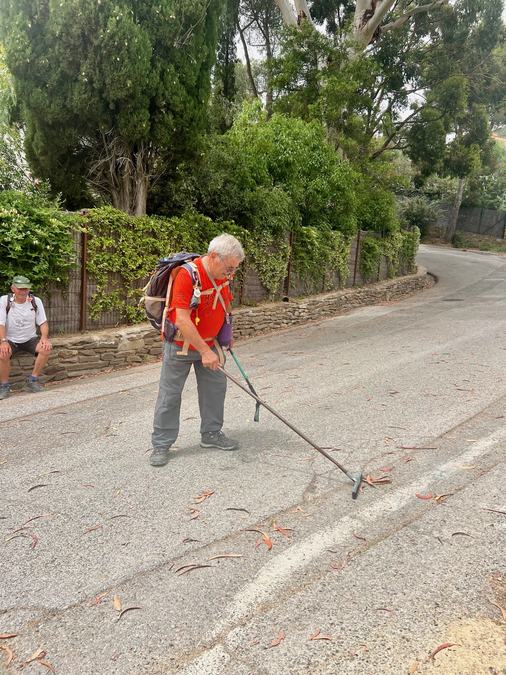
point(20, 314)
point(195, 343)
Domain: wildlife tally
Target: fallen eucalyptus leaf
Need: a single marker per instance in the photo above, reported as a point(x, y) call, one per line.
point(225, 555)
point(189, 568)
point(445, 645)
point(47, 664)
point(266, 539)
point(9, 654)
point(319, 636)
point(278, 640)
point(202, 497)
point(127, 609)
point(34, 487)
point(282, 530)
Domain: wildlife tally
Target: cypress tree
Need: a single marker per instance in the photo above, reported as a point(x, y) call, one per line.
point(110, 91)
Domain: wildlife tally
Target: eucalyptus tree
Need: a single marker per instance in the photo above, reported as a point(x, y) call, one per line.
point(111, 92)
point(260, 30)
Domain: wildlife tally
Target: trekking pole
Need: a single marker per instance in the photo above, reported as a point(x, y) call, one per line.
point(256, 417)
point(356, 478)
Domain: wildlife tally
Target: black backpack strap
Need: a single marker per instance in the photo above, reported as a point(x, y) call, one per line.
point(32, 300)
point(10, 300)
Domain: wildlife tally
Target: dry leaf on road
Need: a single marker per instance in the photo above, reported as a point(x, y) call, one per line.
point(26, 535)
point(202, 497)
point(226, 555)
point(441, 498)
point(34, 487)
point(39, 654)
point(97, 599)
point(285, 531)
point(501, 609)
point(9, 654)
point(319, 636)
point(427, 496)
point(47, 664)
point(116, 603)
point(189, 568)
point(372, 481)
point(445, 645)
point(127, 609)
point(7, 636)
point(278, 640)
point(265, 537)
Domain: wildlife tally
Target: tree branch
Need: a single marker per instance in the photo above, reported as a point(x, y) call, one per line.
point(248, 62)
point(416, 10)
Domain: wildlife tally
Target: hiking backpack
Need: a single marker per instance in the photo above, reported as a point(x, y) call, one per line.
point(10, 300)
point(158, 290)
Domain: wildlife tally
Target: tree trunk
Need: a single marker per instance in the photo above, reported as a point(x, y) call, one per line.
point(121, 173)
point(452, 224)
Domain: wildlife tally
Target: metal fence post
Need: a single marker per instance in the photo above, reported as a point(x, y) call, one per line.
point(84, 281)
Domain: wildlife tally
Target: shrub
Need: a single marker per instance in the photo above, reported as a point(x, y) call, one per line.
point(418, 212)
point(35, 240)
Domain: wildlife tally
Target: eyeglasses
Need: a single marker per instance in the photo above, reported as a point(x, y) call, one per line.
point(230, 269)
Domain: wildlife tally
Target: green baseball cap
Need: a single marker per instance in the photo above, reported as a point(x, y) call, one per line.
point(21, 282)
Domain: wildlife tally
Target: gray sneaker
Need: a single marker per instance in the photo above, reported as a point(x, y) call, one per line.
point(217, 439)
point(34, 386)
point(5, 390)
point(159, 457)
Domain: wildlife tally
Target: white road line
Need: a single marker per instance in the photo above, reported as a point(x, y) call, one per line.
point(278, 571)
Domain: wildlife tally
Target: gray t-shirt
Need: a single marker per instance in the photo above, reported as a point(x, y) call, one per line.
point(22, 320)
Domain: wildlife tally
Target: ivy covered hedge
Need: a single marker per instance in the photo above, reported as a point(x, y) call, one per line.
point(398, 248)
point(37, 240)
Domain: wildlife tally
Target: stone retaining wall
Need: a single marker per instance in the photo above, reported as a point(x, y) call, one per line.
point(92, 352)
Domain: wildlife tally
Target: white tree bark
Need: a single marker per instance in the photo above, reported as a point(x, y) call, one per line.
point(369, 15)
point(368, 18)
point(294, 14)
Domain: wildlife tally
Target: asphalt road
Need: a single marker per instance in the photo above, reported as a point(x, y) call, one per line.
point(412, 392)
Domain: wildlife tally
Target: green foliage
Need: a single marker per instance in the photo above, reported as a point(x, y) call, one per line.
point(318, 254)
point(376, 209)
point(123, 251)
point(35, 240)
point(370, 257)
point(107, 89)
point(418, 212)
point(273, 174)
point(398, 249)
point(269, 253)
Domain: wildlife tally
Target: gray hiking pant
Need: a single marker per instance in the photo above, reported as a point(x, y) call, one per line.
point(211, 386)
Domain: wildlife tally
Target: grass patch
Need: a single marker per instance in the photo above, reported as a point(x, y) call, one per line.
point(479, 241)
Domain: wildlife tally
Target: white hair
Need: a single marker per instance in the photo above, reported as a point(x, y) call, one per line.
point(226, 246)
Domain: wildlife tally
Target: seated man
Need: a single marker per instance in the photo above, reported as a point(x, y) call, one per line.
point(20, 314)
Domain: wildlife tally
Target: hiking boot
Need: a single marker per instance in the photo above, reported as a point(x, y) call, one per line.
point(34, 386)
point(217, 439)
point(5, 390)
point(159, 457)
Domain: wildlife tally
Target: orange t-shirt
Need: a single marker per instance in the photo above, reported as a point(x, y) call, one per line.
point(207, 320)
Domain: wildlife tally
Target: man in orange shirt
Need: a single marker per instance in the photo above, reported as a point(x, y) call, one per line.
point(195, 344)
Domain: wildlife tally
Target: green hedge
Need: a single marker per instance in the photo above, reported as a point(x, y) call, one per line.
point(35, 240)
point(399, 249)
